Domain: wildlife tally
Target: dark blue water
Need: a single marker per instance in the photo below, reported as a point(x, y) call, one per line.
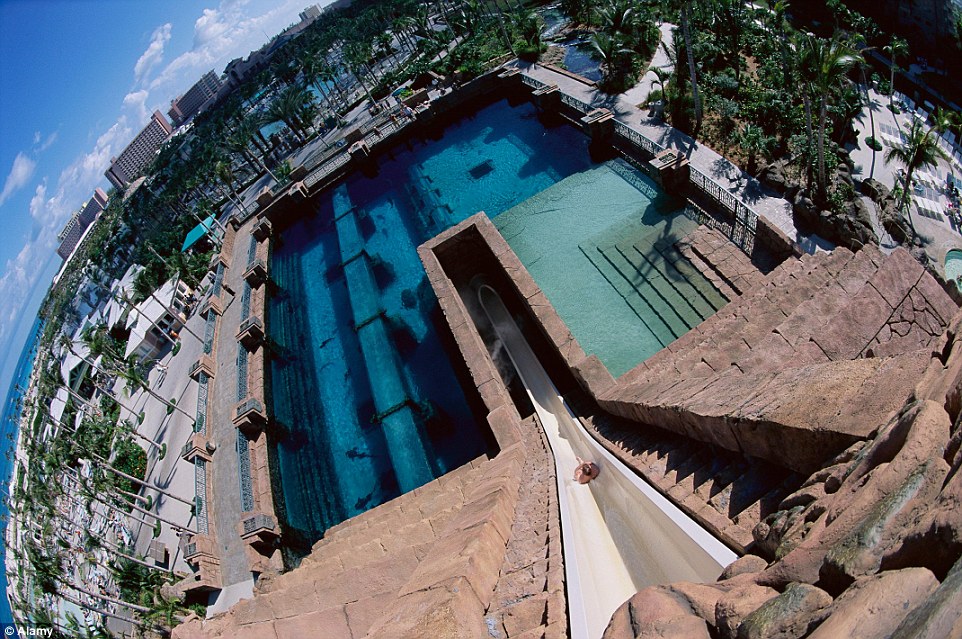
point(361, 362)
point(580, 58)
point(9, 427)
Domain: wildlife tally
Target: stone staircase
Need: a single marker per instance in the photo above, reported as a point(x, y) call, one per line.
point(726, 492)
point(854, 327)
point(457, 552)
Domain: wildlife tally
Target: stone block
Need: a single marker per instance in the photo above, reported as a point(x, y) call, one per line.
point(364, 613)
point(451, 610)
point(332, 623)
point(897, 275)
point(265, 630)
point(475, 555)
point(525, 615)
point(937, 299)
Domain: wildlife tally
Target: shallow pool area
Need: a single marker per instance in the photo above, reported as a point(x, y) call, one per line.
point(953, 267)
point(598, 243)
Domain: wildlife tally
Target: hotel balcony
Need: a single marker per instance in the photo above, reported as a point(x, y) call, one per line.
point(197, 446)
point(256, 272)
point(250, 416)
point(205, 364)
point(250, 333)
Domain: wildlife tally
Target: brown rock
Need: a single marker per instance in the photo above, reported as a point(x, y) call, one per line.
point(790, 615)
point(450, 610)
point(738, 603)
point(744, 565)
point(656, 613)
point(873, 607)
point(331, 622)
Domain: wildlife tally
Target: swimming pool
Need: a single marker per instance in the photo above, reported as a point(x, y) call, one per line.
point(362, 376)
point(362, 379)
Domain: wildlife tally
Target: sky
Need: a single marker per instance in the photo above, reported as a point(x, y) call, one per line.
point(78, 80)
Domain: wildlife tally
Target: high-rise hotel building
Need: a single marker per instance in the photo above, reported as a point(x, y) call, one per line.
point(79, 222)
point(188, 105)
point(139, 153)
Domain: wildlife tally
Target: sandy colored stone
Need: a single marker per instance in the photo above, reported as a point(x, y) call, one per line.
point(873, 607)
point(744, 565)
point(332, 624)
point(450, 610)
point(940, 615)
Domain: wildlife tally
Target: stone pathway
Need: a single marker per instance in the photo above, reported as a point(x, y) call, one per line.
point(225, 505)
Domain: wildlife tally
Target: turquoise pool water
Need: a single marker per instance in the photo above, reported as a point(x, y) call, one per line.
point(598, 243)
point(953, 267)
point(362, 380)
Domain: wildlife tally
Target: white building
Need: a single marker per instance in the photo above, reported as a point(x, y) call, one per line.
point(156, 322)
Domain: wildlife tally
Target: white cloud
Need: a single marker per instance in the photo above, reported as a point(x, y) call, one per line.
point(19, 174)
point(154, 53)
point(48, 142)
point(219, 35)
point(136, 100)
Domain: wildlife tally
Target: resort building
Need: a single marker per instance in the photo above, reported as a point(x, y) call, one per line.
point(139, 153)
point(195, 99)
point(311, 13)
point(155, 322)
point(79, 222)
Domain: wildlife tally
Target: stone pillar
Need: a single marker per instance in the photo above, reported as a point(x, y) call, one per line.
point(599, 125)
point(547, 98)
point(670, 169)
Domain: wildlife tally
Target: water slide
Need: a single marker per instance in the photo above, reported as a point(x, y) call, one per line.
point(619, 534)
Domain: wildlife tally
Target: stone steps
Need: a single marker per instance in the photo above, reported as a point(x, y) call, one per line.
point(727, 492)
point(726, 321)
point(770, 326)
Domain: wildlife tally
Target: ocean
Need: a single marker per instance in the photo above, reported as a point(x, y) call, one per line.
point(9, 426)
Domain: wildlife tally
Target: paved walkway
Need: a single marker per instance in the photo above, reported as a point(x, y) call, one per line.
point(939, 232)
point(638, 94)
point(775, 209)
point(225, 498)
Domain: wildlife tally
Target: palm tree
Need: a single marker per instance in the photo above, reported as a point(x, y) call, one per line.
point(897, 48)
point(136, 379)
point(225, 173)
point(754, 141)
point(288, 107)
point(612, 53)
point(920, 150)
point(684, 9)
point(825, 63)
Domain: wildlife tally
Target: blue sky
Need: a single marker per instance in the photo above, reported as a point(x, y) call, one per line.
point(78, 79)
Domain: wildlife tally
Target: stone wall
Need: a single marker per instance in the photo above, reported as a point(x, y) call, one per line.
point(878, 528)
